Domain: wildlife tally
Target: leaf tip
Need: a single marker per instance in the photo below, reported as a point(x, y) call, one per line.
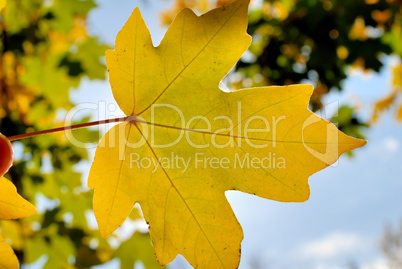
point(104, 232)
point(356, 142)
point(136, 11)
point(350, 143)
point(31, 210)
point(361, 142)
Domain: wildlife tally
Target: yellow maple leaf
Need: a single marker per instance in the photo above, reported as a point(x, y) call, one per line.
point(12, 206)
point(187, 142)
point(7, 257)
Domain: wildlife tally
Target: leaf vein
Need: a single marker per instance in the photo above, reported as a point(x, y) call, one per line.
point(182, 198)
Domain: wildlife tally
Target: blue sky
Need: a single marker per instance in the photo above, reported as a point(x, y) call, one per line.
point(350, 203)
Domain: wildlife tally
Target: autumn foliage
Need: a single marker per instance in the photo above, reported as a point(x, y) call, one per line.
point(258, 140)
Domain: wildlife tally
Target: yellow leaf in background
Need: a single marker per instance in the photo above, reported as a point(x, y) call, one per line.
point(397, 76)
point(188, 142)
point(399, 114)
point(381, 16)
point(12, 205)
point(358, 31)
point(8, 260)
point(15, 232)
point(390, 101)
point(220, 3)
point(198, 5)
point(382, 105)
point(2, 4)
point(342, 52)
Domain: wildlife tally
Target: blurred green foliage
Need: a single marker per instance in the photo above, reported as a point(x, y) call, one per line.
point(319, 40)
